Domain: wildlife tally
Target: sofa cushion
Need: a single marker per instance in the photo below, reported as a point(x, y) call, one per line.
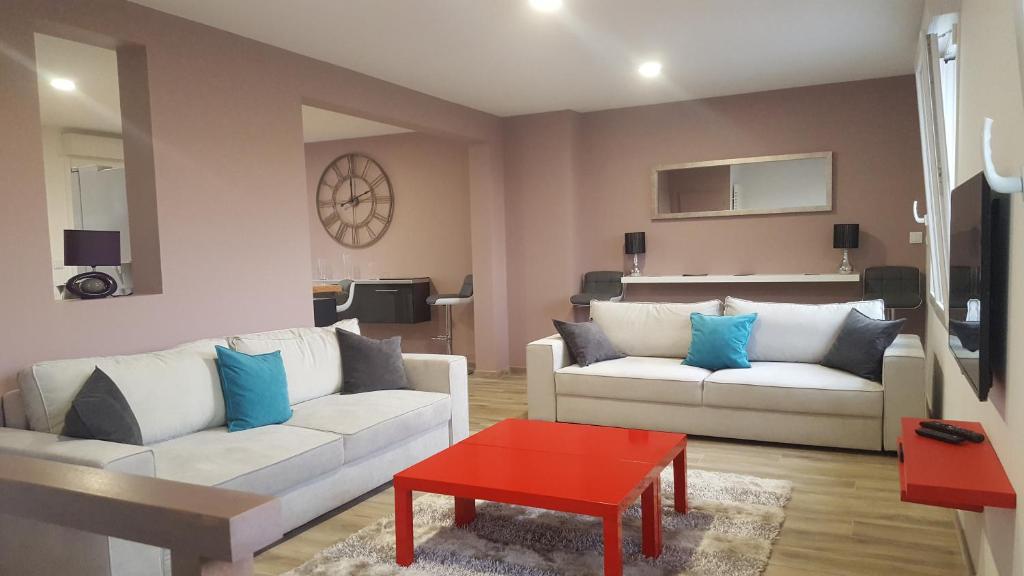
point(650, 329)
point(586, 342)
point(172, 392)
point(796, 332)
point(311, 357)
point(720, 341)
point(255, 389)
point(861, 344)
point(636, 378)
point(793, 387)
point(373, 421)
point(267, 460)
point(371, 365)
point(100, 412)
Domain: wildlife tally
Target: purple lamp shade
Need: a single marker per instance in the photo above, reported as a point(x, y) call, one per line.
point(92, 248)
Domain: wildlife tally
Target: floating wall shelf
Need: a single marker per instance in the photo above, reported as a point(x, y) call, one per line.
point(742, 279)
point(965, 476)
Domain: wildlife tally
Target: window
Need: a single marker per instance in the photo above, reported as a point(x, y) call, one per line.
point(937, 106)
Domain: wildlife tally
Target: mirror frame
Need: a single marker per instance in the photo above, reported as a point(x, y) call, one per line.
point(655, 215)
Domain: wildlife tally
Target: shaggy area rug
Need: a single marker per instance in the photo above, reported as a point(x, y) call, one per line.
point(729, 531)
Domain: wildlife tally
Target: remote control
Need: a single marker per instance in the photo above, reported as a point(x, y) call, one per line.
point(954, 430)
point(940, 436)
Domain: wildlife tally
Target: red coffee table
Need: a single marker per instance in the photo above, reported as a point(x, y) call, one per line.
point(590, 470)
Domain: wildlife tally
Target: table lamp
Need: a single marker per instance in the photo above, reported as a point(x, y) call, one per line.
point(92, 248)
point(845, 237)
point(635, 244)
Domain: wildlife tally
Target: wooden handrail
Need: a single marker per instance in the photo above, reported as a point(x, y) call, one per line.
point(208, 530)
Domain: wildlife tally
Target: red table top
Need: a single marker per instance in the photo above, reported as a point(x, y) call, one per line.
point(967, 476)
point(583, 439)
point(568, 467)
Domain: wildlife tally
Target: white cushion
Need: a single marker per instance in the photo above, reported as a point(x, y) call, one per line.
point(266, 460)
point(793, 387)
point(172, 392)
point(650, 329)
point(374, 421)
point(796, 332)
point(312, 359)
point(637, 378)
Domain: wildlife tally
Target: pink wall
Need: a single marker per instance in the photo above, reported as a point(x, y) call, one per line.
point(233, 213)
point(230, 180)
point(870, 126)
point(429, 234)
point(541, 158)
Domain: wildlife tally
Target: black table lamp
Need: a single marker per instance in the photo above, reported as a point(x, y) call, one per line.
point(92, 248)
point(635, 244)
point(845, 237)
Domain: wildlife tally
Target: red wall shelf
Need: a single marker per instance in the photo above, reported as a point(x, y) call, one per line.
point(965, 476)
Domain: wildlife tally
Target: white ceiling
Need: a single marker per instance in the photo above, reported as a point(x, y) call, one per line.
point(501, 56)
point(96, 104)
point(319, 125)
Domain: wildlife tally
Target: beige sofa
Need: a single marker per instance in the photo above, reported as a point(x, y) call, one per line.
point(786, 396)
point(334, 448)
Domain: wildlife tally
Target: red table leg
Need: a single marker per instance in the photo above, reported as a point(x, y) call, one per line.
point(465, 511)
point(403, 525)
point(613, 544)
point(679, 474)
point(651, 509)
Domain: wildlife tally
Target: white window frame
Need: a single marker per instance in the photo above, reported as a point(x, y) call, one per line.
point(937, 108)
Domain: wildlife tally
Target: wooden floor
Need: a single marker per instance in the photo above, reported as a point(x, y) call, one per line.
point(845, 518)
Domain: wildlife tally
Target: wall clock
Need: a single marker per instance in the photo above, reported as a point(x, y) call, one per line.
point(355, 201)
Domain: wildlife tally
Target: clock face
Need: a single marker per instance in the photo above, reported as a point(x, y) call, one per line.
point(355, 201)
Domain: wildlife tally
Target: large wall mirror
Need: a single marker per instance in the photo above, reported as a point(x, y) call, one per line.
point(743, 186)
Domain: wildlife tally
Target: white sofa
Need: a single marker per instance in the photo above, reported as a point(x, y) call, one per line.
point(786, 396)
point(333, 449)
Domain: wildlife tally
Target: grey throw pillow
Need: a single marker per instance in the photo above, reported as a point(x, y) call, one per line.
point(586, 342)
point(369, 365)
point(100, 412)
point(860, 346)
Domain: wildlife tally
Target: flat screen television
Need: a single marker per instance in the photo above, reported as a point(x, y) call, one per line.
point(979, 239)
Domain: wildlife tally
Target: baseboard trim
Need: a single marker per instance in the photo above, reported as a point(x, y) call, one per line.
point(513, 371)
point(489, 373)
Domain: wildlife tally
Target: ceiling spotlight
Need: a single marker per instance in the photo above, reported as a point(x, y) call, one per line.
point(650, 69)
point(546, 5)
point(63, 84)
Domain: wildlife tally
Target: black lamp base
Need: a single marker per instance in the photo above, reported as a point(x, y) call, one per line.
point(91, 285)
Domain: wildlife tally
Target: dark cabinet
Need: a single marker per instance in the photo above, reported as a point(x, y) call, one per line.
point(390, 301)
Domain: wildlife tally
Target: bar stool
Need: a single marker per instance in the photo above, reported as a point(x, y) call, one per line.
point(465, 296)
point(898, 286)
point(599, 285)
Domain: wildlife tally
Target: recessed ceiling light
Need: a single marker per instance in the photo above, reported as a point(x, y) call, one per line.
point(546, 5)
point(650, 69)
point(63, 84)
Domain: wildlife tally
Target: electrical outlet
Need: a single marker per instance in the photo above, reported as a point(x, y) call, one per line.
point(917, 237)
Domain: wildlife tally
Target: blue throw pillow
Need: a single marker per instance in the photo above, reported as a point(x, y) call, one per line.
point(719, 342)
point(255, 389)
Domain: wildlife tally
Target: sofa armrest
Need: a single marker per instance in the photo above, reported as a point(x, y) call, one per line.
point(93, 453)
point(903, 384)
point(543, 357)
point(447, 374)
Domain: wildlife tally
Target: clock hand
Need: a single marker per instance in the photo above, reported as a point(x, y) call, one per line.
point(354, 198)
